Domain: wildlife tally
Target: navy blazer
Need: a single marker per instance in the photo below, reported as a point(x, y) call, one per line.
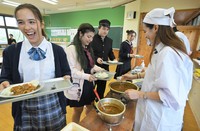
point(10, 73)
point(125, 49)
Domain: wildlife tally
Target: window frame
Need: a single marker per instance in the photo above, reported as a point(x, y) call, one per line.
point(7, 27)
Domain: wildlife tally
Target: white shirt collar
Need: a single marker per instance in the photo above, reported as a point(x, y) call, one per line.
point(159, 47)
point(129, 42)
point(43, 45)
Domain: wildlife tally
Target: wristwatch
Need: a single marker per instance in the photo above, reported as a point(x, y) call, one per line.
point(145, 95)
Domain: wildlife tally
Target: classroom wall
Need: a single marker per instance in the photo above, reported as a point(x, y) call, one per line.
point(7, 10)
point(132, 24)
point(74, 19)
point(71, 21)
point(147, 5)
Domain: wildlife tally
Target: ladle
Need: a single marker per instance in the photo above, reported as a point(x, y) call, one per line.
point(97, 95)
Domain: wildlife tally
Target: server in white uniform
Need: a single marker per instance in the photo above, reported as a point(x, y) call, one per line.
point(168, 78)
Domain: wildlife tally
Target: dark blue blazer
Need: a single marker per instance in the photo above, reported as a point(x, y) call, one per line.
point(10, 73)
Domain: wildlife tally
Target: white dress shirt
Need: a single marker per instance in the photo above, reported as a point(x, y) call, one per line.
point(171, 76)
point(36, 70)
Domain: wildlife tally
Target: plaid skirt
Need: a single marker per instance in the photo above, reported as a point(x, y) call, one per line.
point(43, 113)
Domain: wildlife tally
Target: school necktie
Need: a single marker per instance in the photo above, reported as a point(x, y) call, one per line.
point(89, 57)
point(36, 54)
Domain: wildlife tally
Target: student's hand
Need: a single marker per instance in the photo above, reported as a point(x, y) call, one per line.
point(66, 77)
point(4, 84)
point(99, 60)
point(132, 55)
point(92, 78)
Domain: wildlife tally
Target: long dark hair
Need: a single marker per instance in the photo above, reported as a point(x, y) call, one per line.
point(34, 10)
point(83, 28)
point(167, 36)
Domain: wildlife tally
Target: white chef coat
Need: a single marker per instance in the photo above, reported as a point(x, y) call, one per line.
point(36, 70)
point(171, 77)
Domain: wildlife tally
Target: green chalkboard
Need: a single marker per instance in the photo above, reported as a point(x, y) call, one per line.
point(115, 33)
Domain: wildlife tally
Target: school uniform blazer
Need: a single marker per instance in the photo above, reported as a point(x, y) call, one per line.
point(125, 49)
point(10, 73)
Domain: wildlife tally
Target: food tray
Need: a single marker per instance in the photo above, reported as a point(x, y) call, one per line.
point(110, 63)
point(72, 126)
point(49, 87)
point(110, 76)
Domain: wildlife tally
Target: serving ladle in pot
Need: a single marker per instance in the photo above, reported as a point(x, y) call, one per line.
point(97, 95)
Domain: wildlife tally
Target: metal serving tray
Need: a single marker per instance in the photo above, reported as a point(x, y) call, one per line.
point(48, 87)
point(109, 63)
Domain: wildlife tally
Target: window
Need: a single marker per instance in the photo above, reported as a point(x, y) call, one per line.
point(11, 21)
point(3, 38)
point(1, 21)
point(17, 34)
point(8, 25)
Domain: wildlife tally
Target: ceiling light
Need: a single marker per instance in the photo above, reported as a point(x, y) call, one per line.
point(11, 3)
point(98, 3)
point(122, 3)
point(53, 2)
point(68, 6)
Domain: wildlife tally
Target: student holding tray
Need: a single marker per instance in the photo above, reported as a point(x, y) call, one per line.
point(35, 59)
point(83, 67)
point(102, 47)
point(126, 54)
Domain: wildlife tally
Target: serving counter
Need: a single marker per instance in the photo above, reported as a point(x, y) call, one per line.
point(94, 123)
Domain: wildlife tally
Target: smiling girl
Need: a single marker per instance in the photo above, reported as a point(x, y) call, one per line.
point(35, 59)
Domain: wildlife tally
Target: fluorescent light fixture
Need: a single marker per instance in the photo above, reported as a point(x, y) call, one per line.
point(98, 3)
point(122, 3)
point(53, 2)
point(11, 3)
point(68, 6)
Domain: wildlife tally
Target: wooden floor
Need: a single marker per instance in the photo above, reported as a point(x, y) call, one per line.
point(6, 120)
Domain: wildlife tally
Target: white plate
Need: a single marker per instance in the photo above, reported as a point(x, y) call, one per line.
point(113, 62)
point(12, 96)
point(101, 75)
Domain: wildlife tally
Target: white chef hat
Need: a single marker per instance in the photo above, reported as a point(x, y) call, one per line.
point(160, 16)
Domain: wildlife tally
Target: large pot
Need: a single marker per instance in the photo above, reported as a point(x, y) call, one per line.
point(121, 87)
point(114, 110)
point(118, 88)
